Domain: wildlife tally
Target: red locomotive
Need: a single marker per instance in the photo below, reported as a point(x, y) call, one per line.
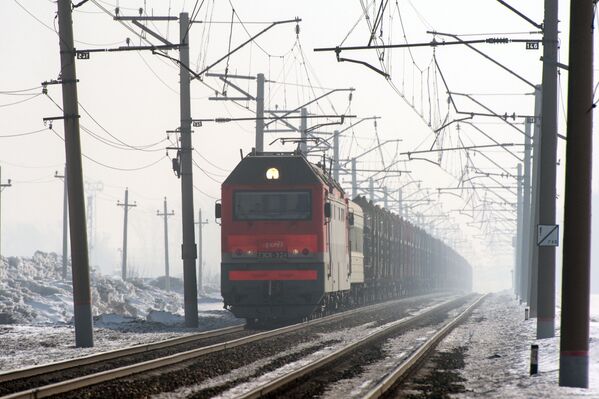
point(293, 244)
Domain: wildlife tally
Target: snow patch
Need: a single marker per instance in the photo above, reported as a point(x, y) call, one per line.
point(166, 318)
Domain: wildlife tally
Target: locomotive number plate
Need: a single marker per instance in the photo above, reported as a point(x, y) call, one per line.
point(279, 254)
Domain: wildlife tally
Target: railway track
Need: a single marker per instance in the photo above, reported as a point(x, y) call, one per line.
point(174, 360)
point(291, 384)
point(14, 380)
point(405, 368)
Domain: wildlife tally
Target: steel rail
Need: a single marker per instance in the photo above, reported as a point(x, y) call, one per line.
point(416, 358)
point(109, 375)
point(320, 363)
point(18, 374)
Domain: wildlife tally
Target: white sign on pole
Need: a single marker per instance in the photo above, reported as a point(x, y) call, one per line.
point(548, 235)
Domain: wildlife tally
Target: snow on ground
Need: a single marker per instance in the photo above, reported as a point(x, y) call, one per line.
point(498, 356)
point(36, 312)
point(36, 327)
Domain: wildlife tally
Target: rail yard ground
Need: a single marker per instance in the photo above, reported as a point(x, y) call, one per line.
point(487, 356)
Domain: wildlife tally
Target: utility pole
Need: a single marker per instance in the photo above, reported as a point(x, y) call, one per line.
point(304, 131)
point(386, 197)
point(189, 246)
point(65, 221)
point(2, 187)
point(79, 256)
point(354, 182)
point(126, 205)
point(526, 226)
point(519, 223)
point(91, 189)
point(336, 165)
point(574, 340)
point(371, 189)
point(200, 223)
point(533, 271)
point(166, 214)
point(547, 171)
point(400, 202)
point(260, 112)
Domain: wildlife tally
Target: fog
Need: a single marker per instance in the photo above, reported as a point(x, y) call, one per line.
point(132, 98)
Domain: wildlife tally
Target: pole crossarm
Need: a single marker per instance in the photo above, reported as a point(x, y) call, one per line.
point(495, 141)
point(268, 118)
point(351, 89)
point(128, 48)
point(432, 43)
point(476, 187)
point(488, 57)
point(503, 117)
point(351, 126)
point(472, 147)
point(378, 170)
point(146, 18)
point(372, 149)
point(225, 79)
point(251, 39)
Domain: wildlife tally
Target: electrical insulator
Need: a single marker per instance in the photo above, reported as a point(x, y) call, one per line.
point(297, 29)
point(351, 95)
point(141, 11)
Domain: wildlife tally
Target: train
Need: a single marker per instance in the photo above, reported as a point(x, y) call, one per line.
point(294, 245)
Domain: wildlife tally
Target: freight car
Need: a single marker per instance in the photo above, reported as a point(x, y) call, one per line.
point(293, 245)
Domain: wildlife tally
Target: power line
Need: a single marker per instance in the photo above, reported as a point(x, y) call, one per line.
point(113, 167)
point(206, 173)
point(21, 101)
point(34, 17)
point(23, 134)
point(204, 193)
point(207, 160)
point(19, 91)
point(144, 147)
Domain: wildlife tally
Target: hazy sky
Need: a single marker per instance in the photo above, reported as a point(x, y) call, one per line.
point(130, 99)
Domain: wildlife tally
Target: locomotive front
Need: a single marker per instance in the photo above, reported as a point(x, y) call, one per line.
point(272, 216)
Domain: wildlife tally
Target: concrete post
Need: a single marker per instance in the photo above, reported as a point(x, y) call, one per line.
point(304, 132)
point(336, 166)
point(400, 202)
point(260, 113)
point(574, 340)
point(65, 230)
point(519, 213)
point(126, 205)
point(371, 189)
point(386, 197)
point(79, 255)
point(188, 248)
point(534, 214)
point(354, 182)
point(526, 226)
point(546, 277)
point(167, 277)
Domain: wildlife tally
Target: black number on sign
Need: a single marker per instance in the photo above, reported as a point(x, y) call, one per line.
point(197, 124)
point(532, 45)
point(84, 55)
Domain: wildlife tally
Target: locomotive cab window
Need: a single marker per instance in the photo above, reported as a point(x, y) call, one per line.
point(272, 205)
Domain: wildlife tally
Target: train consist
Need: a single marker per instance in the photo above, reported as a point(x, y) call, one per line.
point(293, 245)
